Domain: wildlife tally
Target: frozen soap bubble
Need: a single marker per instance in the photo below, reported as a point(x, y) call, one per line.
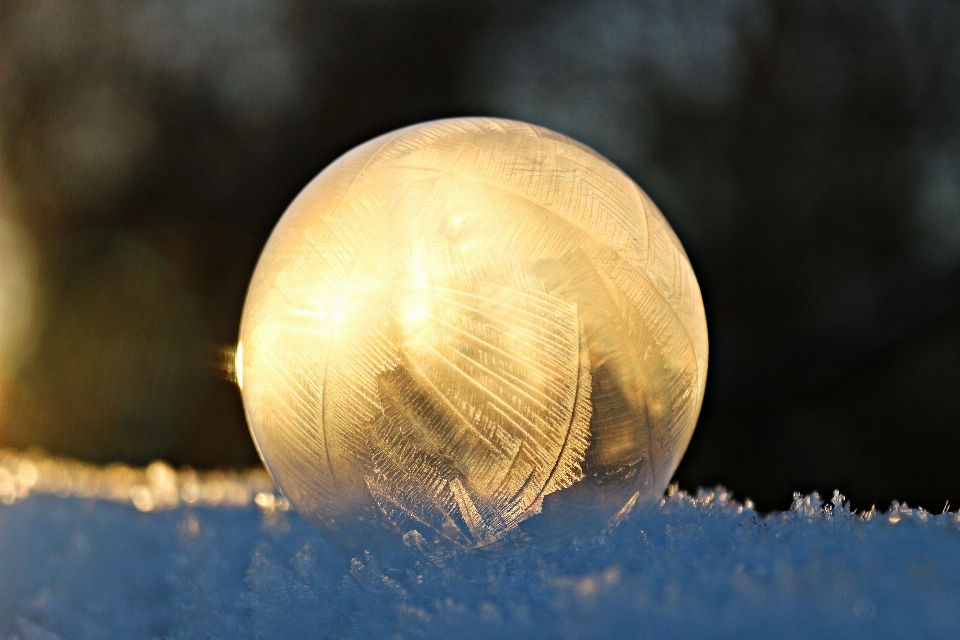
point(468, 328)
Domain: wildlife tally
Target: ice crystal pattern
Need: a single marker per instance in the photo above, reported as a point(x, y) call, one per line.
point(460, 319)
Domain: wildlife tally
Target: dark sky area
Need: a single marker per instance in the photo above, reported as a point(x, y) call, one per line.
point(806, 153)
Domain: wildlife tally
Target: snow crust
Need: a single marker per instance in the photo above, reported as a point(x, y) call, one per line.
point(694, 566)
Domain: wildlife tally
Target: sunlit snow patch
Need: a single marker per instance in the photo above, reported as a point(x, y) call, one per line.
point(117, 552)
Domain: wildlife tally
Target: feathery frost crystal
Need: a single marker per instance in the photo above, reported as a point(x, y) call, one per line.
point(470, 327)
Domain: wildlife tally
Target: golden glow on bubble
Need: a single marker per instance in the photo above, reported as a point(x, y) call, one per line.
point(238, 365)
point(229, 357)
point(465, 325)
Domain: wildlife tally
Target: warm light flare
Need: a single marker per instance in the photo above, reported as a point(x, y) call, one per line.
point(238, 365)
point(229, 363)
point(18, 293)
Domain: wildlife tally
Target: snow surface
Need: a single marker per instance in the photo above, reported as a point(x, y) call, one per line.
point(694, 566)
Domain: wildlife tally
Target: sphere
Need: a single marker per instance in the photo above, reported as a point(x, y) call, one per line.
point(467, 328)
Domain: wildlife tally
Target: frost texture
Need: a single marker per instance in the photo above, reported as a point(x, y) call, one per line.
point(456, 322)
point(690, 567)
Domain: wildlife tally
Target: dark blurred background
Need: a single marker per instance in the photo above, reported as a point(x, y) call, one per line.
point(807, 154)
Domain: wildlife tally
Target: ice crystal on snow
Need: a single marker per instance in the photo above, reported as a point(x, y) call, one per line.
point(690, 566)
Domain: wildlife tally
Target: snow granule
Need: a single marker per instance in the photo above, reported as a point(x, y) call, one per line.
point(158, 553)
